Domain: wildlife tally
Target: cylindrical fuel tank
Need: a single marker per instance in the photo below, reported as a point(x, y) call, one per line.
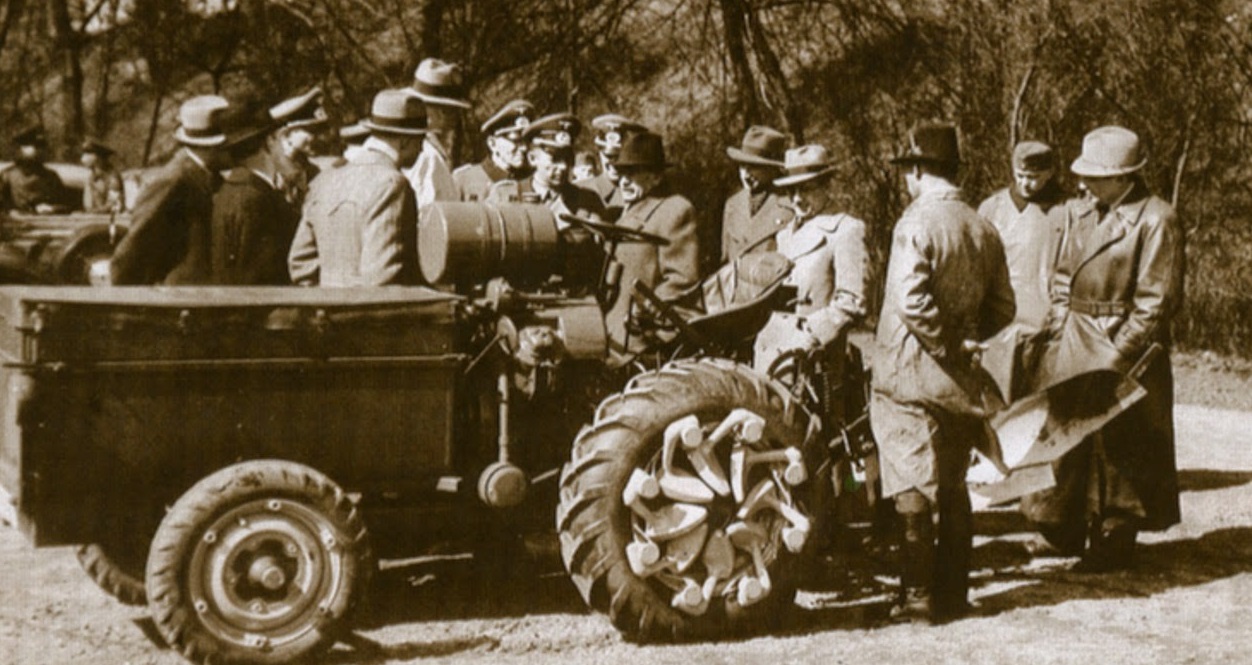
point(469, 243)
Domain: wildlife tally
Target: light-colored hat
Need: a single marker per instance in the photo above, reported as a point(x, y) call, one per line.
point(1033, 157)
point(439, 83)
point(1109, 151)
point(303, 110)
point(554, 132)
point(805, 163)
point(396, 112)
point(762, 146)
point(200, 121)
point(354, 133)
point(511, 120)
point(612, 130)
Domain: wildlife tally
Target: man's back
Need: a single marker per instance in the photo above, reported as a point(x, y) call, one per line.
point(168, 240)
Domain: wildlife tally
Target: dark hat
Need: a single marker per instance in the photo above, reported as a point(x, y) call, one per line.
point(354, 133)
point(31, 136)
point(931, 142)
point(1033, 157)
point(1109, 151)
point(439, 83)
point(554, 132)
point(396, 112)
point(642, 150)
point(805, 163)
point(612, 129)
point(201, 121)
point(303, 110)
point(762, 146)
point(511, 120)
point(96, 148)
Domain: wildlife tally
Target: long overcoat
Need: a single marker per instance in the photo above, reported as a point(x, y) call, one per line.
point(745, 228)
point(253, 226)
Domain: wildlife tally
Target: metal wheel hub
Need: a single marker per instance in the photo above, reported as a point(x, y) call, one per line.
point(263, 573)
point(710, 511)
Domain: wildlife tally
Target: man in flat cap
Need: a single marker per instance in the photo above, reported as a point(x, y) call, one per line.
point(1030, 217)
point(438, 84)
point(168, 240)
point(653, 208)
point(28, 185)
point(612, 130)
point(755, 213)
point(104, 191)
point(359, 224)
point(507, 161)
point(947, 291)
point(297, 122)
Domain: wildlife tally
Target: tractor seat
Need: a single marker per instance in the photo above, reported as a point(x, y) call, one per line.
point(736, 301)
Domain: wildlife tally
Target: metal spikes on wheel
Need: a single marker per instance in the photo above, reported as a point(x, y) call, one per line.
point(706, 514)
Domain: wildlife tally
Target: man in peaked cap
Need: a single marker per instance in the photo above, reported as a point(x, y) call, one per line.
point(439, 85)
point(653, 208)
point(1030, 217)
point(507, 160)
point(104, 191)
point(168, 240)
point(359, 224)
point(297, 121)
point(755, 213)
point(612, 130)
point(28, 185)
point(947, 291)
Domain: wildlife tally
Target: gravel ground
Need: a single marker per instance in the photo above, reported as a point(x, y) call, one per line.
point(1186, 602)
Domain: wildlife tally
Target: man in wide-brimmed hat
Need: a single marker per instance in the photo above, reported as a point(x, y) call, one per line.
point(830, 264)
point(359, 225)
point(28, 185)
point(947, 291)
point(1119, 282)
point(439, 85)
point(653, 208)
point(103, 192)
point(754, 214)
point(612, 130)
point(168, 239)
point(506, 161)
point(1030, 217)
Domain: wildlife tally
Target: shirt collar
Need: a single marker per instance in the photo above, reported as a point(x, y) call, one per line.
point(377, 145)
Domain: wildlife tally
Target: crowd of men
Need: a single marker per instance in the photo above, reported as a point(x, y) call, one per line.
point(1091, 280)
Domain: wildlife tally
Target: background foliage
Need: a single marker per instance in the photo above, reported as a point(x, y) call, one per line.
point(853, 74)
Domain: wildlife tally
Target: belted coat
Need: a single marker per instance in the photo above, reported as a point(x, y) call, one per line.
point(749, 222)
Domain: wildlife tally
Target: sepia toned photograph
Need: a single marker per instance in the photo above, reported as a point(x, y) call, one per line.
point(364, 332)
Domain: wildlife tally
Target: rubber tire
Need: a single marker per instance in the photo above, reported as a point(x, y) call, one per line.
point(594, 524)
point(113, 573)
point(175, 617)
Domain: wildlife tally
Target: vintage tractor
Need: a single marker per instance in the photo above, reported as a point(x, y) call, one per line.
point(239, 458)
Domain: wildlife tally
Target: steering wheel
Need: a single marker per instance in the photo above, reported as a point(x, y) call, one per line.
point(613, 232)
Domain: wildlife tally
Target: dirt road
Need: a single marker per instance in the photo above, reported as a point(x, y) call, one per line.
point(1187, 602)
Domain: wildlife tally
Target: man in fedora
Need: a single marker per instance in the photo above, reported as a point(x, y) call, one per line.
point(359, 225)
point(754, 214)
point(612, 130)
point(28, 185)
point(439, 85)
point(103, 191)
point(297, 122)
point(506, 162)
point(653, 208)
point(168, 240)
point(1030, 217)
point(1119, 282)
point(947, 291)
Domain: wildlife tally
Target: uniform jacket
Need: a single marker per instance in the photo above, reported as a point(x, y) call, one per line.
point(1031, 232)
point(946, 282)
point(608, 191)
point(747, 220)
point(358, 227)
point(830, 272)
point(668, 270)
point(25, 185)
point(474, 180)
point(253, 226)
point(431, 176)
point(104, 191)
point(168, 240)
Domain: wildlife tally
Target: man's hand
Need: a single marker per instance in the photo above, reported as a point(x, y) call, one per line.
point(971, 352)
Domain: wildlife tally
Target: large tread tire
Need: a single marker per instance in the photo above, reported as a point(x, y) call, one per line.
point(203, 594)
point(115, 572)
point(594, 523)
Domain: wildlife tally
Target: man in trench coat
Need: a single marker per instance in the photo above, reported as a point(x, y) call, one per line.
point(755, 213)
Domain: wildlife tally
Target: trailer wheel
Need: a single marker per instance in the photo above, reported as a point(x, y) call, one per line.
point(117, 571)
point(261, 562)
point(663, 525)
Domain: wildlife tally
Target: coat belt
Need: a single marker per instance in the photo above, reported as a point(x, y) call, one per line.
point(1099, 307)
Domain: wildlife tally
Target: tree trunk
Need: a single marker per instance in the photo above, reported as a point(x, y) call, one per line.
point(68, 44)
point(735, 26)
point(153, 124)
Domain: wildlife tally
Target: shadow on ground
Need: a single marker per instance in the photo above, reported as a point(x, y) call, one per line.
point(1202, 480)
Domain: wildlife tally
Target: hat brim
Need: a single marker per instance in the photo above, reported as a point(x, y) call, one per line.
point(744, 157)
point(391, 129)
point(1086, 169)
point(789, 180)
point(436, 100)
point(199, 141)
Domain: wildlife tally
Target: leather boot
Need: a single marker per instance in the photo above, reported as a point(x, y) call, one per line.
point(917, 560)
